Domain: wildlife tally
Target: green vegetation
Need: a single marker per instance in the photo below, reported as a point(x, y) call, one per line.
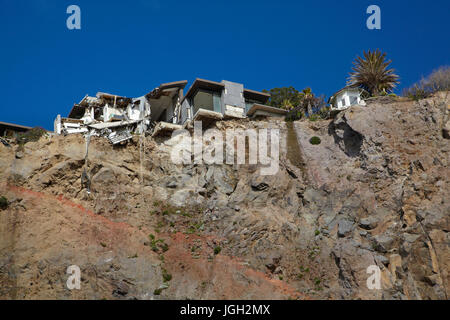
point(315, 140)
point(302, 269)
point(195, 227)
point(372, 74)
point(284, 96)
point(3, 203)
point(294, 115)
point(217, 250)
point(157, 244)
point(317, 282)
point(31, 135)
point(103, 244)
point(317, 232)
point(438, 80)
point(157, 292)
point(297, 103)
point(313, 253)
point(164, 246)
point(166, 276)
point(156, 203)
point(324, 113)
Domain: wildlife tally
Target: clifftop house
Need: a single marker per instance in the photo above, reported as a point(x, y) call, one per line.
point(10, 130)
point(164, 109)
point(347, 97)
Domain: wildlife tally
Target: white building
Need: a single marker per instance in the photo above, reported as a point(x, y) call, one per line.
point(347, 97)
point(119, 117)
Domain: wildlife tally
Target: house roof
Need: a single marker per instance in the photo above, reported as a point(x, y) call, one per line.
point(16, 127)
point(256, 95)
point(203, 84)
point(346, 88)
point(218, 86)
point(158, 92)
point(270, 109)
point(175, 84)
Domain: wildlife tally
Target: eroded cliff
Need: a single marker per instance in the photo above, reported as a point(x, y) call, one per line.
point(375, 191)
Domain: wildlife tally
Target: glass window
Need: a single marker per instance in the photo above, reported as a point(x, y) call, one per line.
point(206, 100)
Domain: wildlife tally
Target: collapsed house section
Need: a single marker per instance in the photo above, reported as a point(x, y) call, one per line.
point(117, 117)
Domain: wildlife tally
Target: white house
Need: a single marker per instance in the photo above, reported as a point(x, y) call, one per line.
point(347, 97)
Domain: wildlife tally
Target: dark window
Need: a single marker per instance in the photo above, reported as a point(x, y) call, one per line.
point(207, 100)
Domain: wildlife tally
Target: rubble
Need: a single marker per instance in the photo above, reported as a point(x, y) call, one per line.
point(117, 118)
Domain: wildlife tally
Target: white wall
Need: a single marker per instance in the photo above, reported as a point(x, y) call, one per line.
point(343, 100)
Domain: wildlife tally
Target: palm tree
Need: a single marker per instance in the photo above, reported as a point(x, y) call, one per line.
point(372, 74)
point(287, 105)
point(306, 96)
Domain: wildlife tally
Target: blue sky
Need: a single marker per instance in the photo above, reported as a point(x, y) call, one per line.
point(130, 47)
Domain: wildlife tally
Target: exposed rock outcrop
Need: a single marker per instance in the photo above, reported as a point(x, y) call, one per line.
point(375, 191)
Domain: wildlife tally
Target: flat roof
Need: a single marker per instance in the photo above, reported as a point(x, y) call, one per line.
point(270, 109)
point(217, 86)
point(14, 126)
point(157, 92)
point(203, 84)
point(109, 95)
point(175, 84)
point(256, 95)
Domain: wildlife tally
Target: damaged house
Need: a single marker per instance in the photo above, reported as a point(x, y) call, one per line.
point(118, 117)
point(164, 109)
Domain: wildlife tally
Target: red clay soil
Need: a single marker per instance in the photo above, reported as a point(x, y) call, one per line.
point(209, 276)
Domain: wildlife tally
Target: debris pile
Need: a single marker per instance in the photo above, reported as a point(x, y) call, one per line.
point(117, 117)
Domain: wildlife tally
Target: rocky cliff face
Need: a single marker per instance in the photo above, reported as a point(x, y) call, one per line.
point(375, 191)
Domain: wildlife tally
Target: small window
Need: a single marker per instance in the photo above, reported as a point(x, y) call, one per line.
point(353, 100)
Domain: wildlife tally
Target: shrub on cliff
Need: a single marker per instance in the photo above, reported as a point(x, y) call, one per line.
point(315, 140)
point(438, 80)
point(3, 203)
point(31, 135)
